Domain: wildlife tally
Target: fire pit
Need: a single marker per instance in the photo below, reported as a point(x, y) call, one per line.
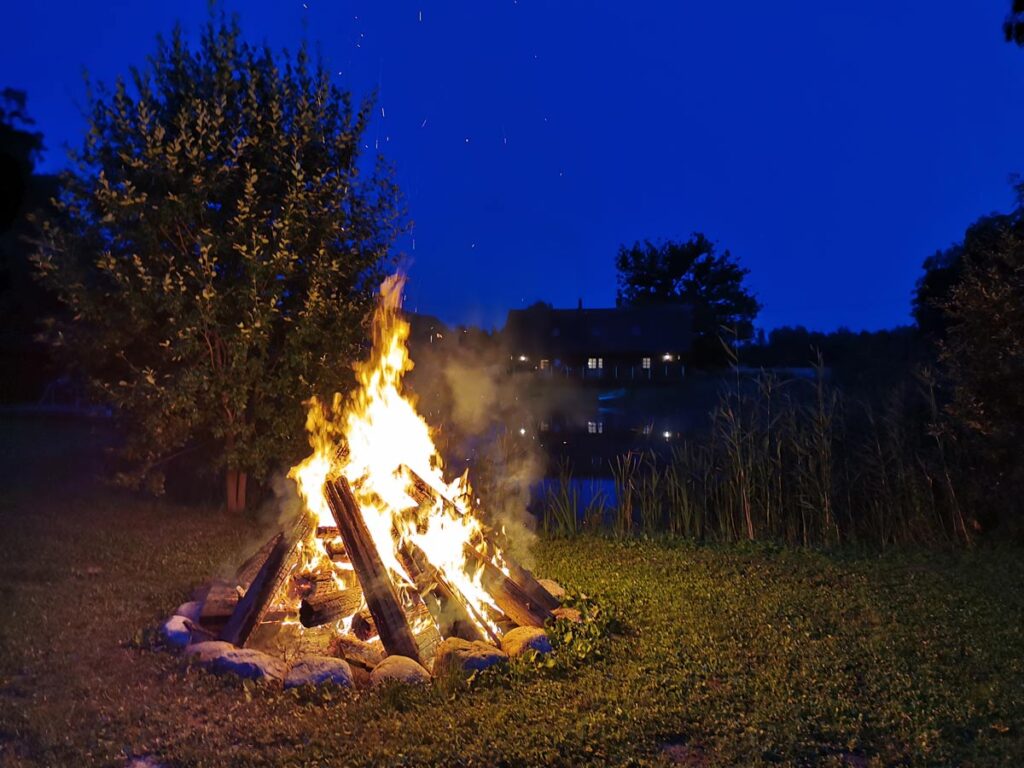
point(387, 560)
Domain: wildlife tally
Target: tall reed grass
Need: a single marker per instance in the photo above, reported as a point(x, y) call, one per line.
point(792, 461)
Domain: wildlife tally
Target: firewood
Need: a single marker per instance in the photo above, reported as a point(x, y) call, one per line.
point(508, 595)
point(218, 605)
point(426, 495)
point(325, 605)
point(259, 596)
point(363, 625)
point(248, 570)
point(446, 605)
point(381, 598)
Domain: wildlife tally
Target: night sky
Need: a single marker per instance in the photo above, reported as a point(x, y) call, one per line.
point(830, 146)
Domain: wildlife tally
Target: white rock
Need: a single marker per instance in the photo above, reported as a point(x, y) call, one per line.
point(553, 588)
point(204, 653)
point(319, 670)
point(190, 610)
point(518, 641)
point(176, 631)
point(223, 658)
point(458, 654)
point(400, 669)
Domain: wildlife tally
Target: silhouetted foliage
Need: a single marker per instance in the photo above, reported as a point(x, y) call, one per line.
point(25, 362)
point(1013, 27)
point(864, 359)
point(19, 150)
point(983, 349)
point(691, 273)
point(219, 246)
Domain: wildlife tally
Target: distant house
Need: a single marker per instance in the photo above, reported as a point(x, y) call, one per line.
point(622, 344)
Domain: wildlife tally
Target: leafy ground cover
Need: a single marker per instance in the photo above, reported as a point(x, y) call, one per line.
point(727, 656)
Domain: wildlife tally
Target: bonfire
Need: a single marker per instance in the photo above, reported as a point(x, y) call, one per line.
point(388, 557)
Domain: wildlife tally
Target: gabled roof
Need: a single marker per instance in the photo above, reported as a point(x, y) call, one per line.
point(557, 333)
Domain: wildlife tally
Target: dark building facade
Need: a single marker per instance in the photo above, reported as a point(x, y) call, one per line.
point(639, 344)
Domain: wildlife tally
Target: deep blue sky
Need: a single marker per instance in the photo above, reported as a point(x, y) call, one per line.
point(831, 146)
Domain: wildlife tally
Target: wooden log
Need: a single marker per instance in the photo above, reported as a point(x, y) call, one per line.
point(446, 605)
point(247, 571)
point(259, 597)
point(426, 495)
point(509, 597)
point(326, 605)
point(381, 598)
point(363, 626)
point(218, 605)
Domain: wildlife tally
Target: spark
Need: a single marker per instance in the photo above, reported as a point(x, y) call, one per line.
point(424, 123)
point(382, 112)
point(421, 17)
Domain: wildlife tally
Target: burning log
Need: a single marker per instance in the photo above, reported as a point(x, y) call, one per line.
point(381, 598)
point(529, 597)
point(448, 608)
point(259, 596)
point(327, 604)
point(509, 596)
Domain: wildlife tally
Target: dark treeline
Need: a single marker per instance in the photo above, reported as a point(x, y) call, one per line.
point(903, 436)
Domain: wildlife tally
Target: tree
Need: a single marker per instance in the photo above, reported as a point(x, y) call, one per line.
point(22, 301)
point(1013, 27)
point(983, 350)
point(691, 273)
point(218, 245)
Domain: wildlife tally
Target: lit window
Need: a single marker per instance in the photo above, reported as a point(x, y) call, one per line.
point(595, 363)
point(595, 427)
point(646, 363)
point(544, 426)
point(545, 364)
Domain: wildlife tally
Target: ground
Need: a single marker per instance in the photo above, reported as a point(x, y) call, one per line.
point(729, 656)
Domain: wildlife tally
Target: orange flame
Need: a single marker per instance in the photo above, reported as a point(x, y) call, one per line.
point(368, 440)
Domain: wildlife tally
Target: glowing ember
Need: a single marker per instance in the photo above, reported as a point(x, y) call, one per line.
point(370, 440)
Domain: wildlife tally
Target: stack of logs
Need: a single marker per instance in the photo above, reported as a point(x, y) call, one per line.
point(360, 587)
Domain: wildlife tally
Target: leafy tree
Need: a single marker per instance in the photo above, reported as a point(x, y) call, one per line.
point(691, 273)
point(218, 245)
point(984, 345)
point(1013, 27)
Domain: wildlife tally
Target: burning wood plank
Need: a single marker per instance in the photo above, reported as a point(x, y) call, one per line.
point(451, 612)
point(524, 595)
point(381, 598)
point(326, 605)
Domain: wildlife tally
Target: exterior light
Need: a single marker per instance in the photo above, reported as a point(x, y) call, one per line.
point(667, 435)
point(522, 358)
point(667, 357)
point(522, 430)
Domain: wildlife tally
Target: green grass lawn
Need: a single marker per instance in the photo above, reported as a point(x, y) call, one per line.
point(730, 656)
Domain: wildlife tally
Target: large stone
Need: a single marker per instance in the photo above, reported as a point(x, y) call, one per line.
point(204, 653)
point(518, 641)
point(176, 631)
point(400, 669)
point(569, 614)
point(319, 670)
point(553, 588)
point(356, 652)
point(190, 610)
point(223, 658)
point(465, 656)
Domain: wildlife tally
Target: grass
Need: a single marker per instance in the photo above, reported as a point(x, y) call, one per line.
point(738, 655)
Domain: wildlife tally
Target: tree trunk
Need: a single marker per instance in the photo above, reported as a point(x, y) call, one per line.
point(236, 481)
